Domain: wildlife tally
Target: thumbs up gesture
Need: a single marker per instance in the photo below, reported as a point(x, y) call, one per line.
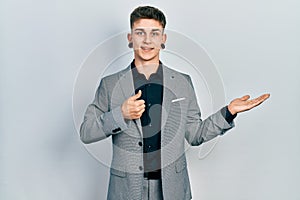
point(133, 108)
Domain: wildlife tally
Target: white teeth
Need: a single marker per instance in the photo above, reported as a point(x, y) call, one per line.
point(146, 48)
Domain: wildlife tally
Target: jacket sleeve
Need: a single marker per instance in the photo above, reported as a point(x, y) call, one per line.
point(198, 131)
point(100, 120)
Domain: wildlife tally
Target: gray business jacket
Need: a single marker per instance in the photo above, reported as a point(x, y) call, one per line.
point(181, 121)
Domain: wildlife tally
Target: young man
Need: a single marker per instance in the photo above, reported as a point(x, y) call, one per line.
point(150, 110)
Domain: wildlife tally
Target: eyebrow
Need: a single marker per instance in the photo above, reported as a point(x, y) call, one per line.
point(142, 29)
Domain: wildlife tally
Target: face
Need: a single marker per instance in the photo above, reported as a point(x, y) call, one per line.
point(147, 35)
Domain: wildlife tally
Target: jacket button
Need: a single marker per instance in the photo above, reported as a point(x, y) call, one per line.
point(140, 168)
point(140, 144)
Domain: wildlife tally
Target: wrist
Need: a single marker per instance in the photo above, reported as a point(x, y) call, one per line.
point(231, 110)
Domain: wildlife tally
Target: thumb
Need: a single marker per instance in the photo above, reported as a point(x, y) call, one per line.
point(138, 95)
point(246, 97)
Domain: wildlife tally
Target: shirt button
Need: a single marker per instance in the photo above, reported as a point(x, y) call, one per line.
point(140, 144)
point(149, 104)
point(140, 168)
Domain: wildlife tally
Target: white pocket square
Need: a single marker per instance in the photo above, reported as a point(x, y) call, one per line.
point(179, 99)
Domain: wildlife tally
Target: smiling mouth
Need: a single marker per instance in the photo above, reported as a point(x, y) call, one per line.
point(147, 49)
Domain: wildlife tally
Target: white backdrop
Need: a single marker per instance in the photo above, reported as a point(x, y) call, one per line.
point(254, 44)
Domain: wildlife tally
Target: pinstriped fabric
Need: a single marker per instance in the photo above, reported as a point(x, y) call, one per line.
point(152, 190)
point(180, 120)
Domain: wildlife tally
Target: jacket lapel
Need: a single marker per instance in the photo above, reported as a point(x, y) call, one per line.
point(170, 82)
point(169, 92)
point(127, 88)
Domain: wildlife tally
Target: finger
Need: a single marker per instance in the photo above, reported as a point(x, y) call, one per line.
point(137, 109)
point(265, 96)
point(245, 98)
point(133, 109)
point(254, 104)
point(140, 107)
point(141, 112)
point(262, 98)
point(136, 96)
point(134, 104)
point(139, 103)
point(259, 100)
point(138, 115)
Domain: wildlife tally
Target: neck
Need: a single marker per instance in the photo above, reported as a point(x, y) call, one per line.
point(146, 67)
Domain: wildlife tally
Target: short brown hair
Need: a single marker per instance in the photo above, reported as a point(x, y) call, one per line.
point(147, 12)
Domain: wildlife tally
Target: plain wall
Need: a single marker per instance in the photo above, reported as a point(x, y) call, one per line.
point(254, 44)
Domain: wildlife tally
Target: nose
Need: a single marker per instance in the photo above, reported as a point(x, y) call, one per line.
point(147, 38)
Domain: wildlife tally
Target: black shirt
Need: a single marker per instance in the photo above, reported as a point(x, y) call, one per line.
point(152, 94)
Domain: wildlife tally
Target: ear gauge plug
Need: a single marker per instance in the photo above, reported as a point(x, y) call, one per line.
point(163, 46)
point(130, 45)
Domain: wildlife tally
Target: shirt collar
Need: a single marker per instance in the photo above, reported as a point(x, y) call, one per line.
point(136, 74)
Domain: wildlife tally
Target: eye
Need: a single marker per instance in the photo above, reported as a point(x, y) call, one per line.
point(139, 33)
point(155, 34)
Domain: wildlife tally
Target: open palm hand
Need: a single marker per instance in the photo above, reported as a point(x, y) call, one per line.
point(245, 103)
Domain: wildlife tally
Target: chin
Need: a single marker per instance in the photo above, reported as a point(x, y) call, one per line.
point(148, 57)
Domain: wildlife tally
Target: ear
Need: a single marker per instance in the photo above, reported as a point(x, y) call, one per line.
point(129, 37)
point(164, 38)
